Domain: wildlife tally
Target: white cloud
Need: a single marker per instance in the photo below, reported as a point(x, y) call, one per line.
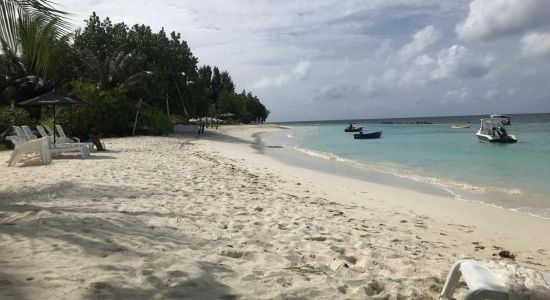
point(298, 73)
point(350, 41)
point(491, 19)
point(457, 62)
point(421, 39)
point(535, 44)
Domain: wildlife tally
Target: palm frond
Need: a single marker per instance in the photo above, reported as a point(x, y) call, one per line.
point(36, 36)
point(12, 10)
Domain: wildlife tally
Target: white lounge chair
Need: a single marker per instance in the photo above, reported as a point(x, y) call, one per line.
point(482, 282)
point(43, 133)
point(57, 148)
point(58, 139)
point(63, 136)
point(24, 147)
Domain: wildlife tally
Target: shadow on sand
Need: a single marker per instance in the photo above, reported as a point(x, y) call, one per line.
point(88, 221)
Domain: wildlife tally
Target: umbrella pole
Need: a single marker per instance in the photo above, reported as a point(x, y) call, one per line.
point(54, 125)
point(71, 119)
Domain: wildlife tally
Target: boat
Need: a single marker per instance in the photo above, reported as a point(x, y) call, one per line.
point(353, 128)
point(370, 135)
point(460, 126)
point(503, 118)
point(492, 130)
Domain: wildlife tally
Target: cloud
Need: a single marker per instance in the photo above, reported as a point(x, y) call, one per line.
point(535, 44)
point(411, 67)
point(492, 19)
point(349, 91)
point(457, 62)
point(299, 72)
point(420, 40)
point(460, 93)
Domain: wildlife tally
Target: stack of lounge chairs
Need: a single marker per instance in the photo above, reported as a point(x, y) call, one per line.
point(28, 144)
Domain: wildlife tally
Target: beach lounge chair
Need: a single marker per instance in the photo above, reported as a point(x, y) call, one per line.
point(24, 147)
point(43, 133)
point(58, 139)
point(57, 148)
point(63, 136)
point(482, 282)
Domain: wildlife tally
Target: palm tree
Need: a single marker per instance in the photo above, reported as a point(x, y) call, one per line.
point(13, 11)
point(30, 62)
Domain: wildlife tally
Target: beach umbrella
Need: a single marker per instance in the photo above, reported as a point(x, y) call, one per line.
point(54, 99)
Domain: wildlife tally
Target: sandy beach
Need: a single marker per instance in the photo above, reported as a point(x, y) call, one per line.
point(216, 218)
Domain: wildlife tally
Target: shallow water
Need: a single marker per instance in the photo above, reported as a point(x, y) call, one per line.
point(513, 176)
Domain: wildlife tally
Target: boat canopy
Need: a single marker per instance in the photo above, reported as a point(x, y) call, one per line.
point(491, 122)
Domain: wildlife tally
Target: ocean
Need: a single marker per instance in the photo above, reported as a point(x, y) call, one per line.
point(428, 151)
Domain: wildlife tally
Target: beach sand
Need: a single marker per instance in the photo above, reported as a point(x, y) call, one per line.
point(215, 218)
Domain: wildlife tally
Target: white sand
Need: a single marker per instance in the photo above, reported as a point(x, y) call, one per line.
point(213, 219)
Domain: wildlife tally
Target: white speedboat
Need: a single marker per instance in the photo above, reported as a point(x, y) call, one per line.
point(503, 118)
point(492, 130)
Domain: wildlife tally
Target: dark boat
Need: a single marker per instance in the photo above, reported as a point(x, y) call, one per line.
point(353, 128)
point(370, 135)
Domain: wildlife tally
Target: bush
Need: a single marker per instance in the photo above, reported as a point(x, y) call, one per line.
point(158, 122)
point(109, 111)
point(21, 118)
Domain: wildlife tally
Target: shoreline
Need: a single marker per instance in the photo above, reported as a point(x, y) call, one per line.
point(503, 216)
point(215, 217)
point(401, 176)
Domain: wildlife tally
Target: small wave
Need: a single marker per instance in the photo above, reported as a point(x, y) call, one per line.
point(320, 154)
point(452, 187)
point(543, 213)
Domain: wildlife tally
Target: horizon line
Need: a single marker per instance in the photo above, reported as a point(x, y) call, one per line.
point(448, 116)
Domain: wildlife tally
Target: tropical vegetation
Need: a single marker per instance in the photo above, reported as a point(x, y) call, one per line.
point(122, 71)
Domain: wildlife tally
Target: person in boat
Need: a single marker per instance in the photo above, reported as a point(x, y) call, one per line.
point(501, 131)
point(350, 126)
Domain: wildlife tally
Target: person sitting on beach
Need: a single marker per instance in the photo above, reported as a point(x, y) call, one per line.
point(94, 137)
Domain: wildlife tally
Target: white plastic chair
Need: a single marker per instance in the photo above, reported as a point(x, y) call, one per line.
point(43, 133)
point(58, 139)
point(28, 133)
point(65, 139)
point(23, 148)
point(482, 282)
point(63, 136)
point(25, 132)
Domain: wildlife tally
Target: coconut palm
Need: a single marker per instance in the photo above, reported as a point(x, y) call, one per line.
point(30, 63)
point(13, 11)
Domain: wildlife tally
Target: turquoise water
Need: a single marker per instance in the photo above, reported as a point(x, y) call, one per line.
point(514, 176)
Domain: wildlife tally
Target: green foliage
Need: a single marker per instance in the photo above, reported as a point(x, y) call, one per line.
point(246, 107)
point(157, 122)
point(114, 67)
point(14, 11)
point(21, 117)
point(109, 111)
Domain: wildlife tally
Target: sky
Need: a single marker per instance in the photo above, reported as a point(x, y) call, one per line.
point(351, 59)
